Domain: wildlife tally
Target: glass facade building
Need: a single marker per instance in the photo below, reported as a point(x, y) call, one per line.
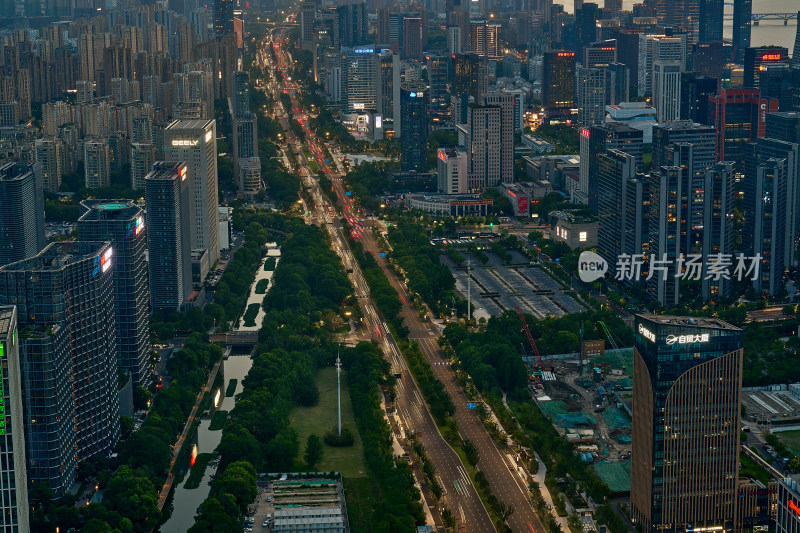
point(65, 305)
point(21, 211)
point(122, 223)
point(687, 375)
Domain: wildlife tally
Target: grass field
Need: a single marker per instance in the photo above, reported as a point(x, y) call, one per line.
point(318, 419)
point(251, 314)
point(752, 469)
point(791, 439)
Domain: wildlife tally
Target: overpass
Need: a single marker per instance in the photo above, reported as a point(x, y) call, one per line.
point(235, 338)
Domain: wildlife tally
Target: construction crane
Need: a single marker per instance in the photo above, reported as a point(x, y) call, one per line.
point(531, 371)
point(613, 344)
point(530, 338)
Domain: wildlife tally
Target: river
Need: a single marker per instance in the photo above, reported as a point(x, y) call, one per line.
point(186, 501)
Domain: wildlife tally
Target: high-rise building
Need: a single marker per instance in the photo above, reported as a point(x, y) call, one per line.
point(739, 117)
point(621, 221)
point(710, 20)
point(195, 142)
point(96, 163)
point(412, 38)
point(654, 48)
point(169, 204)
point(223, 17)
point(308, 12)
point(143, 155)
point(742, 14)
point(595, 141)
point(702, 137)
point(709, 59)
point(590, 85)
point(768, 223)
point(360, 79)
point(681, 15)
point(685, 455)
point(451, 169)
point(245, 138)
point(558, 84)
point(240, 93)
point(667, 89)
point(784, 126)
point(796, 49)
point(717, 227)
point(414, 120)
point(775, 81)
point(695, 90)
point(757, 58)
point(483, 146)
point(600, 54)
point(14, 513)
point(22, 213)
point(65, 301)
point(352, 23)
point(484, 39)
point(471, 75)
point(787, 517)
point(122, 224)
point(49, 154)
point(250, 182)
point(618, 83)
point(438, 91)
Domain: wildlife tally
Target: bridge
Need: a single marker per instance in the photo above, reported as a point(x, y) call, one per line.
point(236, 338)
point(758, 17)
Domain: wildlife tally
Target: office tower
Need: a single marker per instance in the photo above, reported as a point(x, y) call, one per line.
point(717, 226)
point(484, 39)
point(454, 45)
point(590, 89)
point(667, 90)
point(360, 79)
point(352, 24)
point(169, 206)
point(505, 101)
point(616, 232)
point(22, 212)
point(759, 152)
point(245, 138)
point(685, 456)
point(653, 48)
point(451, 169)
point(483, 146)
point(742, 13)
point(618, 82)
point(768, 225)
point(240, 94)
point(142, 158)
point(471, 75)
point(775, 81)
point(796, 49)
point(600, 54)
point(787, 518)
point(755, 59)
point(122, 224)
point(784, 126)
point(250, 176)
point(65, 302)
point(683, 14)
point(586, 24)
point(388, 94)
point(695, 90)
point(223, 17)
point(710, 19)
point(14, 517)
point(438, 91)
point(308, 12)
point(739, 117)
point(97, 169)
point(558, 83)
point(684, 131)
point(49, 155)
point(710, 59)
point(595, 141)
point(414, 120)
point(195, 142)
point(412, 38)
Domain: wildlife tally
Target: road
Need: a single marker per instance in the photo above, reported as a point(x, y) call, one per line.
point(411, 411)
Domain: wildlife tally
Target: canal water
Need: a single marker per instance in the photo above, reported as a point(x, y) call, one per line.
point(185, 502)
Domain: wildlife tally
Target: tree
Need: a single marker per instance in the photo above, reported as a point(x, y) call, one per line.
point(133, 495)
point(239, 481)
point(314, 451)
point(141, 397)
point(472, 452)
point(505, 510)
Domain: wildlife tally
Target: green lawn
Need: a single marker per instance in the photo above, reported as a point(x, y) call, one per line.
point(251, 314)
point(752, 469)
point(791, 439)
point(318, 419)
point(261, 286)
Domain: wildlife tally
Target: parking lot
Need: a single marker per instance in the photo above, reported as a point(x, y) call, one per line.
point(497, 288)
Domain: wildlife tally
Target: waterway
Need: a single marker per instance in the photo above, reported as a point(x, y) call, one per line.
point(186, 501)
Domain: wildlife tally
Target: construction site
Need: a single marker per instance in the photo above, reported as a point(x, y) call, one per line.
point(588, 397)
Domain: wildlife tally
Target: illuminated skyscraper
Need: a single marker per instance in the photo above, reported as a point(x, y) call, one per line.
point(742, 13)
point(558, 85)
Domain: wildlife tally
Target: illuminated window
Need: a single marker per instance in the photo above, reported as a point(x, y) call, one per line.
point(582, 236)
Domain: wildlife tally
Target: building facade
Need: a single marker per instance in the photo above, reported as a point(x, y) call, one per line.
point(22, 212)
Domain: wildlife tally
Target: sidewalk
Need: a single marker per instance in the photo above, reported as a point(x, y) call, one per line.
point(538, 477)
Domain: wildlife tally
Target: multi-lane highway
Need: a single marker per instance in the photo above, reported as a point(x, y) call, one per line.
point(411, 412)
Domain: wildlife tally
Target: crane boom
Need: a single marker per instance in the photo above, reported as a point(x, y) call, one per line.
point(530, 337)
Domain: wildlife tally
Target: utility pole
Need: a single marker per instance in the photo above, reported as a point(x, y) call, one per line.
point(339, 388)
point(469, 293)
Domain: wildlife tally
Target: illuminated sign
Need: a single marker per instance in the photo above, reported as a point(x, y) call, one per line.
point(585, 132)
point(685, 339)
point(606, 48)
point(183, 173)
point(208, 136)
point(139, 225)
point(364, 49)
point(792, 506)
point(566, 54)
point(443, 156)
point(105, 260)
point(184, 143)
point(771, 57)
point(647, 334)
point(378, 122)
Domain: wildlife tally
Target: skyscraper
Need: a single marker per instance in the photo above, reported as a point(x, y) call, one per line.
point(471, 75)
point(308, 13)
point(22, 212)
point(710, 20)
point(414, 124)
point(739, 117)
point(490, 141)
point(169, 203)
point(742, 13)
point(49, 153)
point(65, 301)
point(97, 166)
point(769, 225)
point(590, 95)
point(695, 90)
point(667, 89)
point(451, 169)
point(195, 142)
point(352, 23)
point(685, 458)
point(223, 17)
point(596, 140)
point(14, 516)
point(558, 84)
point(756, 58)
point(717, 226)
point(143, 155)
point(122, 224)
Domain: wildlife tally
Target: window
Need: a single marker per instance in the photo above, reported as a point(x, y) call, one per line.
point(582, 236)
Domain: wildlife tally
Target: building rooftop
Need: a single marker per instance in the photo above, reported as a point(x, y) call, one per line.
point(166, 171)
point(676, 125)
point(109, 210)
point(188, 124)
point(57, 255)
point(701, 322)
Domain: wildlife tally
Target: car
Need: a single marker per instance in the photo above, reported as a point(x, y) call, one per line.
point(269, 498)
point(265, 524)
